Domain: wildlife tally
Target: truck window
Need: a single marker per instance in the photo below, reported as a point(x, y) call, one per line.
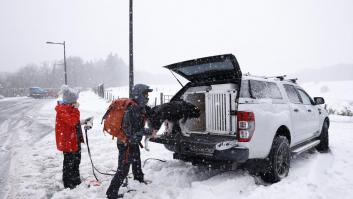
point(244, 89)
point(273, 90)
point(262, 89)
point(258, 89)
point(292, 94)
point(305, 97)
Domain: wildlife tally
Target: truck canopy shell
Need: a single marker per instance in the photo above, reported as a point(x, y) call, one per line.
point(208, 69)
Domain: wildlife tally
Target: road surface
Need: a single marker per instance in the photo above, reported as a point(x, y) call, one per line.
point(21, 125)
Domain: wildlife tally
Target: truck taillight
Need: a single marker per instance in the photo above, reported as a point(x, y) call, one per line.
point(246, 126)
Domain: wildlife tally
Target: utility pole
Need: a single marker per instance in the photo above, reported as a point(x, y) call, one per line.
point(131, 55)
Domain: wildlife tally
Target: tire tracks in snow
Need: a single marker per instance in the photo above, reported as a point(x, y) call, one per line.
point(19, 129)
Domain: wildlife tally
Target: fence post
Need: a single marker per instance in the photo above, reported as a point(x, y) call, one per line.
point(161, 102)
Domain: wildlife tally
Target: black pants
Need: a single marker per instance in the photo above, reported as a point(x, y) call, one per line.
point(127, 155)
point(71, 169)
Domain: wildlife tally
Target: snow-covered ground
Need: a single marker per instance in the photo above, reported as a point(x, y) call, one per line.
point(39, 168)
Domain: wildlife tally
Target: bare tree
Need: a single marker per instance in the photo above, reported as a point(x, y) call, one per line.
point(111, 71)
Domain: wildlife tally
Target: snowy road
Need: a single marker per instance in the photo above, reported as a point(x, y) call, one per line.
point(21, 125)
point(35, 164)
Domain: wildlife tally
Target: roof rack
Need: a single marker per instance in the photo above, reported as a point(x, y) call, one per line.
point(294, 80)
point(279, 77)
point(282, 78)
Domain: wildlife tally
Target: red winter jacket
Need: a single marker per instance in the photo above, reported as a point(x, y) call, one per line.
point(67, 117)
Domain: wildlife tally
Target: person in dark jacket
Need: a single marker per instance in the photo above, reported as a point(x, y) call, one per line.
point(134, 128)
point(69, 136)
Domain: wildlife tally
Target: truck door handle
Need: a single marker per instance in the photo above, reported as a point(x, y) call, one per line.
point(296, 110)
point(309, 110)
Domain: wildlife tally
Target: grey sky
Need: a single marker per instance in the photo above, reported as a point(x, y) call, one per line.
point(268, 37)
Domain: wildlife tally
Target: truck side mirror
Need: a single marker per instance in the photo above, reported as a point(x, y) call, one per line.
point(319, 100)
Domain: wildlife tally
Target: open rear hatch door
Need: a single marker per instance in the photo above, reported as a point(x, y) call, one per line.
point(208, 69)
point(218, 69)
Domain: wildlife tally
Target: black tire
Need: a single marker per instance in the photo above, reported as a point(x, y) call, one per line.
point(324, 140)
point(278, 162)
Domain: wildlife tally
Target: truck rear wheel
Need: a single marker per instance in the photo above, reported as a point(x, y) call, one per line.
point(278, 163)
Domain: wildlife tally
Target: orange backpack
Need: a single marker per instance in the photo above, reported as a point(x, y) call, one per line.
point(113, 118)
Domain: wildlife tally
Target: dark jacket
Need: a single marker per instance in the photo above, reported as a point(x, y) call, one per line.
point(134, 123)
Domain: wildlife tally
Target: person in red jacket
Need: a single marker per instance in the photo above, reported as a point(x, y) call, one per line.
point(69, 136)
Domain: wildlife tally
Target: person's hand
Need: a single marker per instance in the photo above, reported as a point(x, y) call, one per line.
point(85, 121)
point(76, 105)
point(154, 133)
point(89, 120)
point(88, 126)
point(88, 123)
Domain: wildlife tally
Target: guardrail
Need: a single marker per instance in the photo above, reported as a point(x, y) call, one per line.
point(14, 92)
point(23, 92)
point(109, 96)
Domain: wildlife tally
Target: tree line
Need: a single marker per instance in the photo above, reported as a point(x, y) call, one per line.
point(112, 71)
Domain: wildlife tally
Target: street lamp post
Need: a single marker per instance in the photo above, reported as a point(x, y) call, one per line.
point(63, 43)
point(131, 55)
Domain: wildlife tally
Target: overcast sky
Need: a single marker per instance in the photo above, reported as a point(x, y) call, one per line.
point(267, 37)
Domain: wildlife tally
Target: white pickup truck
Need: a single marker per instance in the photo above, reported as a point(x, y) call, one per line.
point(255, 121)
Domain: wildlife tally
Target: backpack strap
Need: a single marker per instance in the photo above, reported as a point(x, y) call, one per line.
point(129, 103)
